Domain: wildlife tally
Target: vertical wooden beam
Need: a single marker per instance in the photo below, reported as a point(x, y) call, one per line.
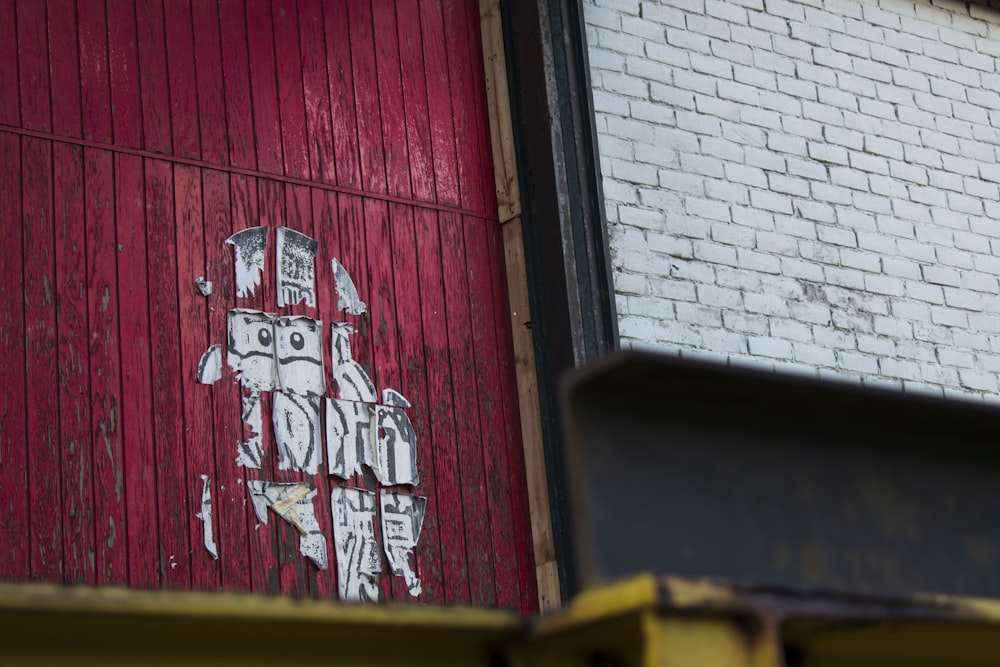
point(509, 209)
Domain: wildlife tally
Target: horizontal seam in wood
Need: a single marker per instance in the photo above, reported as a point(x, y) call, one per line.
point(442, 208)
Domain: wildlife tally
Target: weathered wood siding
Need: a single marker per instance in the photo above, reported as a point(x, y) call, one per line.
point(135, 137)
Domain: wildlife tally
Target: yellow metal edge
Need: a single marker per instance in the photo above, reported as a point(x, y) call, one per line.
point(70, 600)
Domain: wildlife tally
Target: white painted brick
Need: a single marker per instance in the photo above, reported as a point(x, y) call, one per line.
point(656, 155)
point(758, 261)
point(702, 316)
point(913, 130)
point(723, 190)
point(774, 348)
point(859, 362)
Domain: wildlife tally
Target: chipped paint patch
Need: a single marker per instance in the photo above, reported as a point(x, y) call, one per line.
point(347, 293)
point(210, 365)
point(358, 560)
point(402, 520)
point(250, 246)
point(204, 286)
point(293, 503)
point(296, 268)
point(206, 517)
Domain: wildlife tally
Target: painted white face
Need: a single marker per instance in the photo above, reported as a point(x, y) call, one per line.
point(299, 355)
point(251, 348)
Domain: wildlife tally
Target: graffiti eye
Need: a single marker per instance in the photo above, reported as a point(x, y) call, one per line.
point(297, 341)
point(264, 337)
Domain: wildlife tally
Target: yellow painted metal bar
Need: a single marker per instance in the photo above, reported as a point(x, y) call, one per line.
point(645, 621)
point(51, 625)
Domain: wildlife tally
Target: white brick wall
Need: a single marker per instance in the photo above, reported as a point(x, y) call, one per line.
point(810, 185)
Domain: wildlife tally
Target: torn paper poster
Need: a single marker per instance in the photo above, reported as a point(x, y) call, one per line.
point(299, 355)
point(297, 431)
point(353, 383)
point(394, 398)
point(250, 245)
point(396, 459)
point(296, 271)
point(347, 293)
point(210, 366)
point(402, 519)
point(358, 560)
point(250, 452)
point(204, 286)
point(251, 348)
point(293, 503)
point(206, 516)
point(348, 436)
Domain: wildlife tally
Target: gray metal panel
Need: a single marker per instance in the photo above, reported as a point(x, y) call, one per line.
point(696, 469)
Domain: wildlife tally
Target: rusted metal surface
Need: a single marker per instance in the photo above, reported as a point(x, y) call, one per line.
point(695, 469)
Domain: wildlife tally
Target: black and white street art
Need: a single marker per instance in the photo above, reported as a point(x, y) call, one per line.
point(366, 436)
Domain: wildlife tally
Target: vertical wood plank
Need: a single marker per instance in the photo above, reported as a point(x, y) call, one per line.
point(462, 105)
point(291, 92)
point(495, 435)
point(479, 113)
point(299, 575)
point(153, 77)
point(182, 82)
point(95, 95)
point(415, 113)
point(440, 407)
point(33, 61)
point(266, 119)
point(250, 209)
point(236, 77)
point(228, 493)
point(390, 91)
point(354, 258)
point(341, 85)
point(123, 62)
point(366, 98)
point(384, 327)
point(319, 139)
point(64, 67)
point(264, 575)
point(10, 97)
point(530, 496)
point(172, 509)
point(137, 427)
point(439, 103)
point(211, 89)
point(199, 451)
point(475, 506)
point(286, 573)
point(413, 385)
point(14, 532)
point(77, 517)
point(324, 215)
point(498, 104)
point(105, 380)
point(42, 395)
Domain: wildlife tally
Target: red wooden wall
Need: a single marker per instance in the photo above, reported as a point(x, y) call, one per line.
point(135, 137)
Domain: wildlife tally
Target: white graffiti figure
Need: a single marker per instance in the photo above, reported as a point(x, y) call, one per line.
point(283, 356)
